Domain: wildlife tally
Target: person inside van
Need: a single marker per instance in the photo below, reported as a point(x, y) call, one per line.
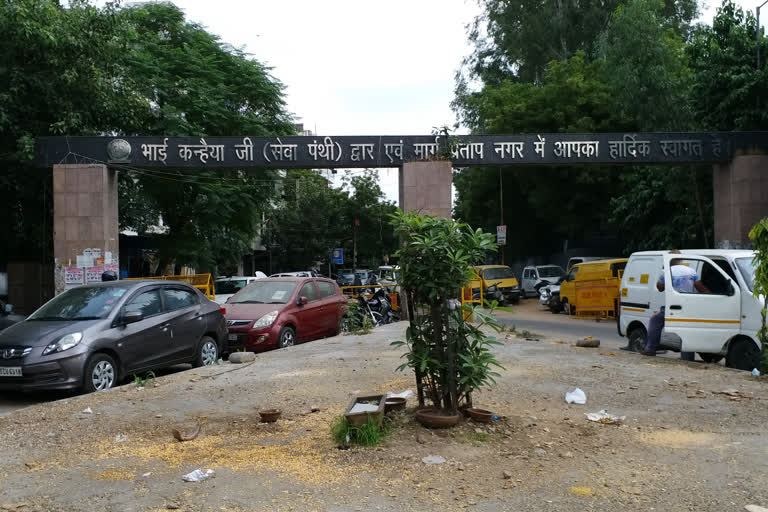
point(684, 280)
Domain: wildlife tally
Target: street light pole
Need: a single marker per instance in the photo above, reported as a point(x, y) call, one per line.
point(757, 32)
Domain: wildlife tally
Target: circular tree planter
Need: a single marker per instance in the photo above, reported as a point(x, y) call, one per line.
point(269, 415)
point(479, 415)
point(394, 404)
point(437, 418)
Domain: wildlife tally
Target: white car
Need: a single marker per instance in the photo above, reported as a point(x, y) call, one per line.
point(301, 273)
point(228, 286)
point(541, 275)
point(721, 321)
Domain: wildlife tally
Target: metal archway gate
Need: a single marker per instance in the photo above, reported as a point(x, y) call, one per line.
point(85, 182)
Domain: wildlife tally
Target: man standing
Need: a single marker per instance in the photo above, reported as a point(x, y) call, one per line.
point(684, 280)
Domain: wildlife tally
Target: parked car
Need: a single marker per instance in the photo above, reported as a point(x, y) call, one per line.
point(535, 277)
point(723, 322)
point(584, 259)
point(91, 337)
point(301, 273)
point(228, 286)
point(346, 277)
point(601, 277)
point(498, 283)
point(280, 312)
point(8, 316)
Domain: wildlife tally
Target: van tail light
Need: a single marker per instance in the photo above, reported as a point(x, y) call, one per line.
point(223, 310)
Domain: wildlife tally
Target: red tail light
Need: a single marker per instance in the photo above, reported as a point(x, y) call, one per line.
point(223, 310)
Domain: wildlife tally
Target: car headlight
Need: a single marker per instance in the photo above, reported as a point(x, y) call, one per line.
point(266, 320)
point(65, 343)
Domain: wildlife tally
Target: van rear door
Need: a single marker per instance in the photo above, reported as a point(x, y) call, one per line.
point(703, 321)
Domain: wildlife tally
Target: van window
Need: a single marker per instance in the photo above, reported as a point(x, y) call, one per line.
point(498, 273)
point(747, 269)
point(572, 274)
point(709, 275)
point(725, 267)
point(616, 267)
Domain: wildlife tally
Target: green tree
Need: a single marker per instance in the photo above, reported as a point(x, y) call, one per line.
point(645, 66)
point(728, 91)
point(759, 237)
point(56, 77)
point(191, 83)
point(519, 39)
point(565, 202)
point(312, 218)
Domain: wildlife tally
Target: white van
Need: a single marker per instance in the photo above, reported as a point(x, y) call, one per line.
point(721, 323)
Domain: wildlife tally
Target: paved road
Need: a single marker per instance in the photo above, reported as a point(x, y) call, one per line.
point(530, 316)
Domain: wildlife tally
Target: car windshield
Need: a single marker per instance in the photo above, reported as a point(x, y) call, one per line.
point(230, 286)
point(265, 292)
point(499, 273)
point(553, 271)
point(348, 275)
point(747, 269)
point(84, 303)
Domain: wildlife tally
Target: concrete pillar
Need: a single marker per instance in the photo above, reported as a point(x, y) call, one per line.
point(84, 218)
point(741, 199)
point(425, 187)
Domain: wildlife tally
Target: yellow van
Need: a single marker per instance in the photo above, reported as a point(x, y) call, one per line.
point(592, 286)
point(498, 283)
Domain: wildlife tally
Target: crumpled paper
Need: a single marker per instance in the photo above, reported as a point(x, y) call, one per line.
point(603, 417)
point(198, 475)
point(577, 396)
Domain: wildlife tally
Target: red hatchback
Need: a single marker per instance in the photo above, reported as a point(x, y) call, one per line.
point(279, 312)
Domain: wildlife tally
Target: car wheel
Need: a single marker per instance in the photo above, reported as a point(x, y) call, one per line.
point(638, 338)
point(207, 352)
point(743, 354)
point(710, 358)
point(538, 289)
point(100, 373)
point(287, 337)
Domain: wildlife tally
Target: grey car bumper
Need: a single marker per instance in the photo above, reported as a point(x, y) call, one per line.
point(61, 374)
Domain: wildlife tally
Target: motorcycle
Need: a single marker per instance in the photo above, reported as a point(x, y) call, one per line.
point(380, 308)
point(491, 293)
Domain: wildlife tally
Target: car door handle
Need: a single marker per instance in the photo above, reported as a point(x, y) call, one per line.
point(164, 326)
point(675, 306)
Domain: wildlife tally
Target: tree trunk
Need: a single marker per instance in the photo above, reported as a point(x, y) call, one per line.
point(419, 376)
point(699, 206)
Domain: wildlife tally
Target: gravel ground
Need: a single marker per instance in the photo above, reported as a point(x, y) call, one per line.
point(683, 446)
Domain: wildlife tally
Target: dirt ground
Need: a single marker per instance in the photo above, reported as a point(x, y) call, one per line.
point(684, 445)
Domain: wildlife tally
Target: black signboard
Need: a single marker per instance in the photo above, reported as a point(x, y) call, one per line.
point(390, 151)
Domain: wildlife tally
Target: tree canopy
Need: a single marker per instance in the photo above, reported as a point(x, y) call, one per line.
point(623, 66)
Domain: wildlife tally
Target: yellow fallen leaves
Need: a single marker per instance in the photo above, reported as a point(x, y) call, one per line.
point(582, 491)
point(301, 456)
point(113, 475)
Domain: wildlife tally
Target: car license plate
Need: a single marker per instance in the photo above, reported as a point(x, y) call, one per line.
point(13, 371)
point(233, 337)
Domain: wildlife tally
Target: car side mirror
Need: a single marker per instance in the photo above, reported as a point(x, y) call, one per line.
point(8, 309)
point(132, 317)
point(301, 301)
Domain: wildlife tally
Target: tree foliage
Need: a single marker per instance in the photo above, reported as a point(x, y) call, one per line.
point(84, 70)
point(311, 218)
point(759, 237)
point(634, 65)
point(450, 357)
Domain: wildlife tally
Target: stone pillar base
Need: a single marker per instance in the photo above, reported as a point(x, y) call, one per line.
point(425, 188)
point(85, 224)
point(741, 199)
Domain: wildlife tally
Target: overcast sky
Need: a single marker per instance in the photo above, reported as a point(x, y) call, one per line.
point(358, 67)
